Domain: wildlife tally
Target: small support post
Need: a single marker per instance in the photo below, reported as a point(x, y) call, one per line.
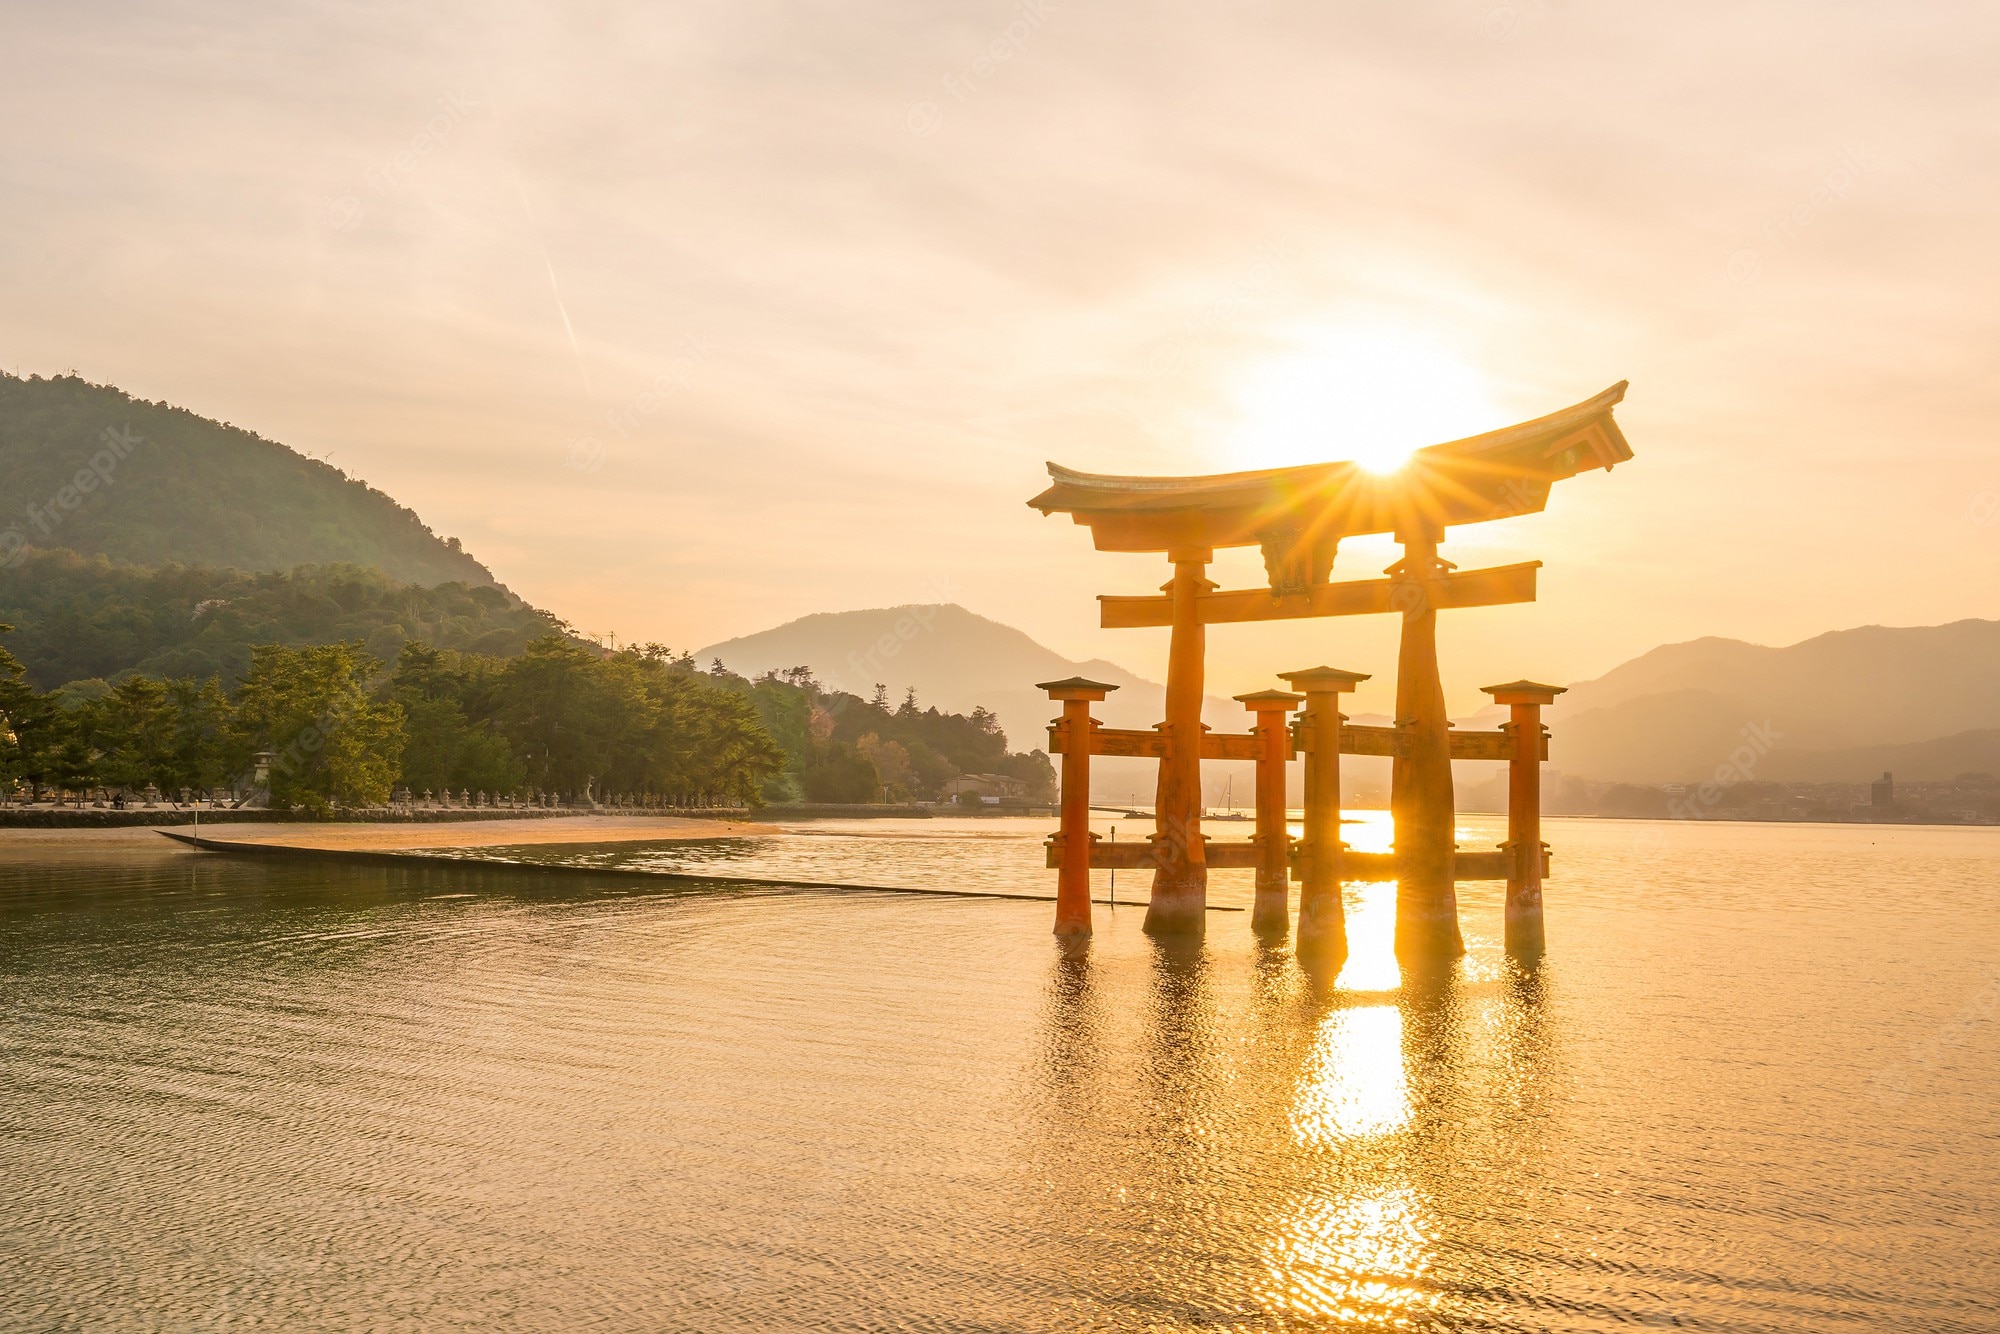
point(1180, 857)
point(1524, 846)
point(1271, 912)
point(1420, 791)
point(1073, 838)
point(1322, 918)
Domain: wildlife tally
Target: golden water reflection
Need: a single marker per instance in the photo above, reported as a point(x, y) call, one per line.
point(1362, 1259)
point(1357, 1248)
point(1353, 1084)
point(1371, 910)
point(1355, 1242)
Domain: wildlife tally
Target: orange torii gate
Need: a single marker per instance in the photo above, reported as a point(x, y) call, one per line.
point(1297, 516)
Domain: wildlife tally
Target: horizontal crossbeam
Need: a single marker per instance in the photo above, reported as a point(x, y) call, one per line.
point(1362, 739)
point(1355, 739)
point(1150, 744)
point(1464, 865)
point(1361, 597)
point(1137, 855)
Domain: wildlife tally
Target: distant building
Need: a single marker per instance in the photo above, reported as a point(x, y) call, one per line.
point(1883, 791)
point(988, 787)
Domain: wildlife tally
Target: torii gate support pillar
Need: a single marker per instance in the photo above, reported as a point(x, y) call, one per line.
point(1322, 917)
point(1073, 838)
point(1527, 854)
point(1270, 912)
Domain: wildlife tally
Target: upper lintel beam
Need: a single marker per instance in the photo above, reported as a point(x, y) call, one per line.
point(1464, 588)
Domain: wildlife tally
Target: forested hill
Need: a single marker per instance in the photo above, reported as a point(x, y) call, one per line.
point(160, 484)
point(79, 617)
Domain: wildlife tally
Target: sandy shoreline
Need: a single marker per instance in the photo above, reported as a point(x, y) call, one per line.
point(393, 837)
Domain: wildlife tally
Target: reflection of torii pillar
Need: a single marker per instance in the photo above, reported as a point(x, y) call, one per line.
point(1420, 792)
point(1180, 860)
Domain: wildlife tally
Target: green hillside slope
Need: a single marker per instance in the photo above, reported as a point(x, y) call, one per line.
point(79, 617)
point(88, 468)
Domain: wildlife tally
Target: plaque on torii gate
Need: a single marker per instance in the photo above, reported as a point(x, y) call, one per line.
point(1297, 517)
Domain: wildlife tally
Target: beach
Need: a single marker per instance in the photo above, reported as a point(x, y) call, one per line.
point(315, 836)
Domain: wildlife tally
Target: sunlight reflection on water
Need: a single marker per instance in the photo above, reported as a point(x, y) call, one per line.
point(1361, 1259)
point(262, 1093)
point(1353, 1084)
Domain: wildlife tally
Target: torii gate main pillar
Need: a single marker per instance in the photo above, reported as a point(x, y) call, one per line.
point(1420, 788)
point(1180, 856)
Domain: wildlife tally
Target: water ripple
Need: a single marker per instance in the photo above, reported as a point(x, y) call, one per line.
point(1750, 1091)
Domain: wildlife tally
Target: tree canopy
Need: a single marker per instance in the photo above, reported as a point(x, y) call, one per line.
point(331, 725)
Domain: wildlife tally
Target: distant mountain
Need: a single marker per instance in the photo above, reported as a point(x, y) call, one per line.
point(1845, 705)
point(954, 658)
point(959, 660)
point(87, 468)
point(1973, 752)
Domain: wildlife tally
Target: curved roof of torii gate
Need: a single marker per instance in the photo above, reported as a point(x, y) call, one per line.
point(1492, 476)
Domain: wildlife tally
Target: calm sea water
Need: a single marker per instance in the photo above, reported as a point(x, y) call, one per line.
point(1753, 1088)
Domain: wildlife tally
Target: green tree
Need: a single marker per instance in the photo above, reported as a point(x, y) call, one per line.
point(842, 774)
point(40, 742)
point(564, 716)
point(201, 722)
point(446, 747)
point(133, 731)
point(891, 761)
point(172, 734)
point(1033, 768)
point(332, 743)
point(634, 722)
point(711, 737)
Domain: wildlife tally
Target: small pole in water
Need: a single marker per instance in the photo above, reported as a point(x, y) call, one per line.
point(1114, 868)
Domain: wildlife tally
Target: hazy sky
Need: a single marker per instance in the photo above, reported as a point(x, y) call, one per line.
point(875, 262)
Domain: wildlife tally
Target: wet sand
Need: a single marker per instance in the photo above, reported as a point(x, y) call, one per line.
point(582, 829)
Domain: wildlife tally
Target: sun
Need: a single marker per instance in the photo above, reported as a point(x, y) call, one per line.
point(1368, 393)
